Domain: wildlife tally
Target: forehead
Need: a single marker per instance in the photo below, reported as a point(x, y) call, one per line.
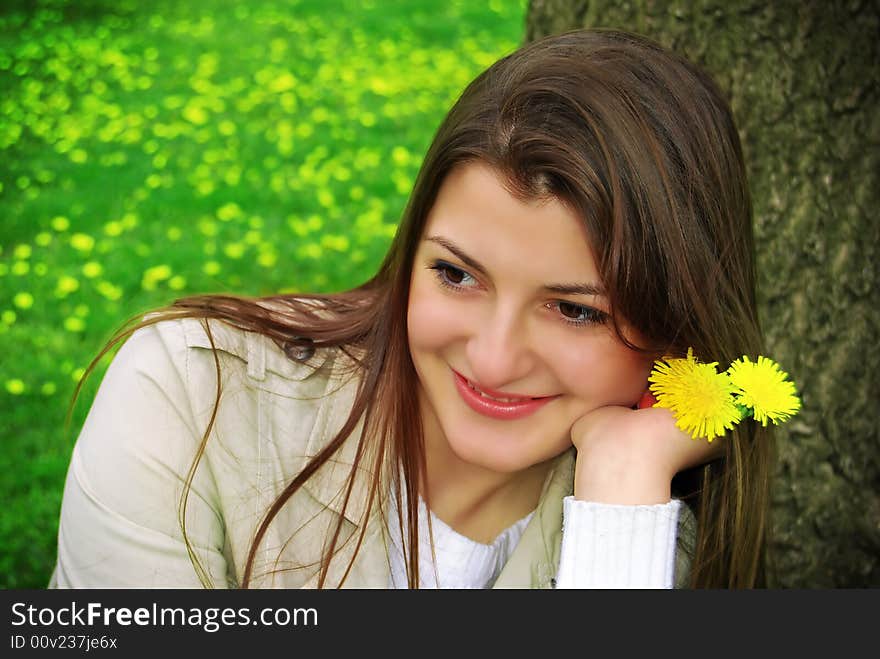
point(478, 213)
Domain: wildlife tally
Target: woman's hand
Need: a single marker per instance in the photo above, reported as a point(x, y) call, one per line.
point(627, 456)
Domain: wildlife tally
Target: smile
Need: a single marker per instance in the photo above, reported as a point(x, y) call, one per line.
point(496, 406)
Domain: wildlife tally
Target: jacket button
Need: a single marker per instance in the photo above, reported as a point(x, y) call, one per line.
point(298, 353)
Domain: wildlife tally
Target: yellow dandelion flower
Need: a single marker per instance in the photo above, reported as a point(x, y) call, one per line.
point(765, 389)
point(700, 398)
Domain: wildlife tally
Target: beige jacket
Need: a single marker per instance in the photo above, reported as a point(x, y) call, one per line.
point(119, 520)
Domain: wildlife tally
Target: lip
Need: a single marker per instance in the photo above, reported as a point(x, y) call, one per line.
point(497, 409)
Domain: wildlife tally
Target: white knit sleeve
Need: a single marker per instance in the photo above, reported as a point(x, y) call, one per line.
point(617, 546)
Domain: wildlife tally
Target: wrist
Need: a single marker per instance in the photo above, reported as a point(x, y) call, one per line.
point(625, 485)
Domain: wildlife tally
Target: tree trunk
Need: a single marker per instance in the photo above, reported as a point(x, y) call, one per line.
point(803, 79)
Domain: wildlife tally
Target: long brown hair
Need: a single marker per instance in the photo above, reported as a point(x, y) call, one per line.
point(642, 145)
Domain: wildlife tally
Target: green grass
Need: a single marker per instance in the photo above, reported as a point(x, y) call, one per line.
point(150, 150)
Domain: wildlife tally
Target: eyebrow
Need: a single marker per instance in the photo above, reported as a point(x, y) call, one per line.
point(562, 289)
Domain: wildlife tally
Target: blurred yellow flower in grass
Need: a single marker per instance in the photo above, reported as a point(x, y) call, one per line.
point(226, 128)
point(234, 250)
point(154, 275)
point(74, 324)
point(113, 228)
point(326, 198)
point(60, 223)
point(92, 269)
point(698, 395)
point(229, 212)
point(108, 290)
point(66, 285)
point(82, 242)
point(765, 388)
point(211, 268)
point(15, 386)
point(267, 257)
point(129, 221)
point(400, 156)
point(23, 300)
point(195, 114)
point(338, 243)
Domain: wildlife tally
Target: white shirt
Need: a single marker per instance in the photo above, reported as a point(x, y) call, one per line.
point(603, 546)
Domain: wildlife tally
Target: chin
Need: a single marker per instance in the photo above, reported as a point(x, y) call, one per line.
point(498, 452)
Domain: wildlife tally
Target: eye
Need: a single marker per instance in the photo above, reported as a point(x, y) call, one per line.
point(450, 276)
point(579, 314)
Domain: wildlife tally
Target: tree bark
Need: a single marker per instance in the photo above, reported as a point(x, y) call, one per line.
point(804, 80)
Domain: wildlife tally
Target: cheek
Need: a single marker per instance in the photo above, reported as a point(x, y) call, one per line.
point(606, 373)
point(430, 322)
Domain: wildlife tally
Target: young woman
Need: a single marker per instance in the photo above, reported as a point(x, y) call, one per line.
point(469, 416)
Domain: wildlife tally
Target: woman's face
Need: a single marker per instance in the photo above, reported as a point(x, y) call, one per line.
point(508, 326)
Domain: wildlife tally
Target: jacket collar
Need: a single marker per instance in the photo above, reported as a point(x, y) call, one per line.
point(534, 561)
point(329, 484)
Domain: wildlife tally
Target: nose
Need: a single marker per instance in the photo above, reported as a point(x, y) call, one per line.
point(499, 350)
